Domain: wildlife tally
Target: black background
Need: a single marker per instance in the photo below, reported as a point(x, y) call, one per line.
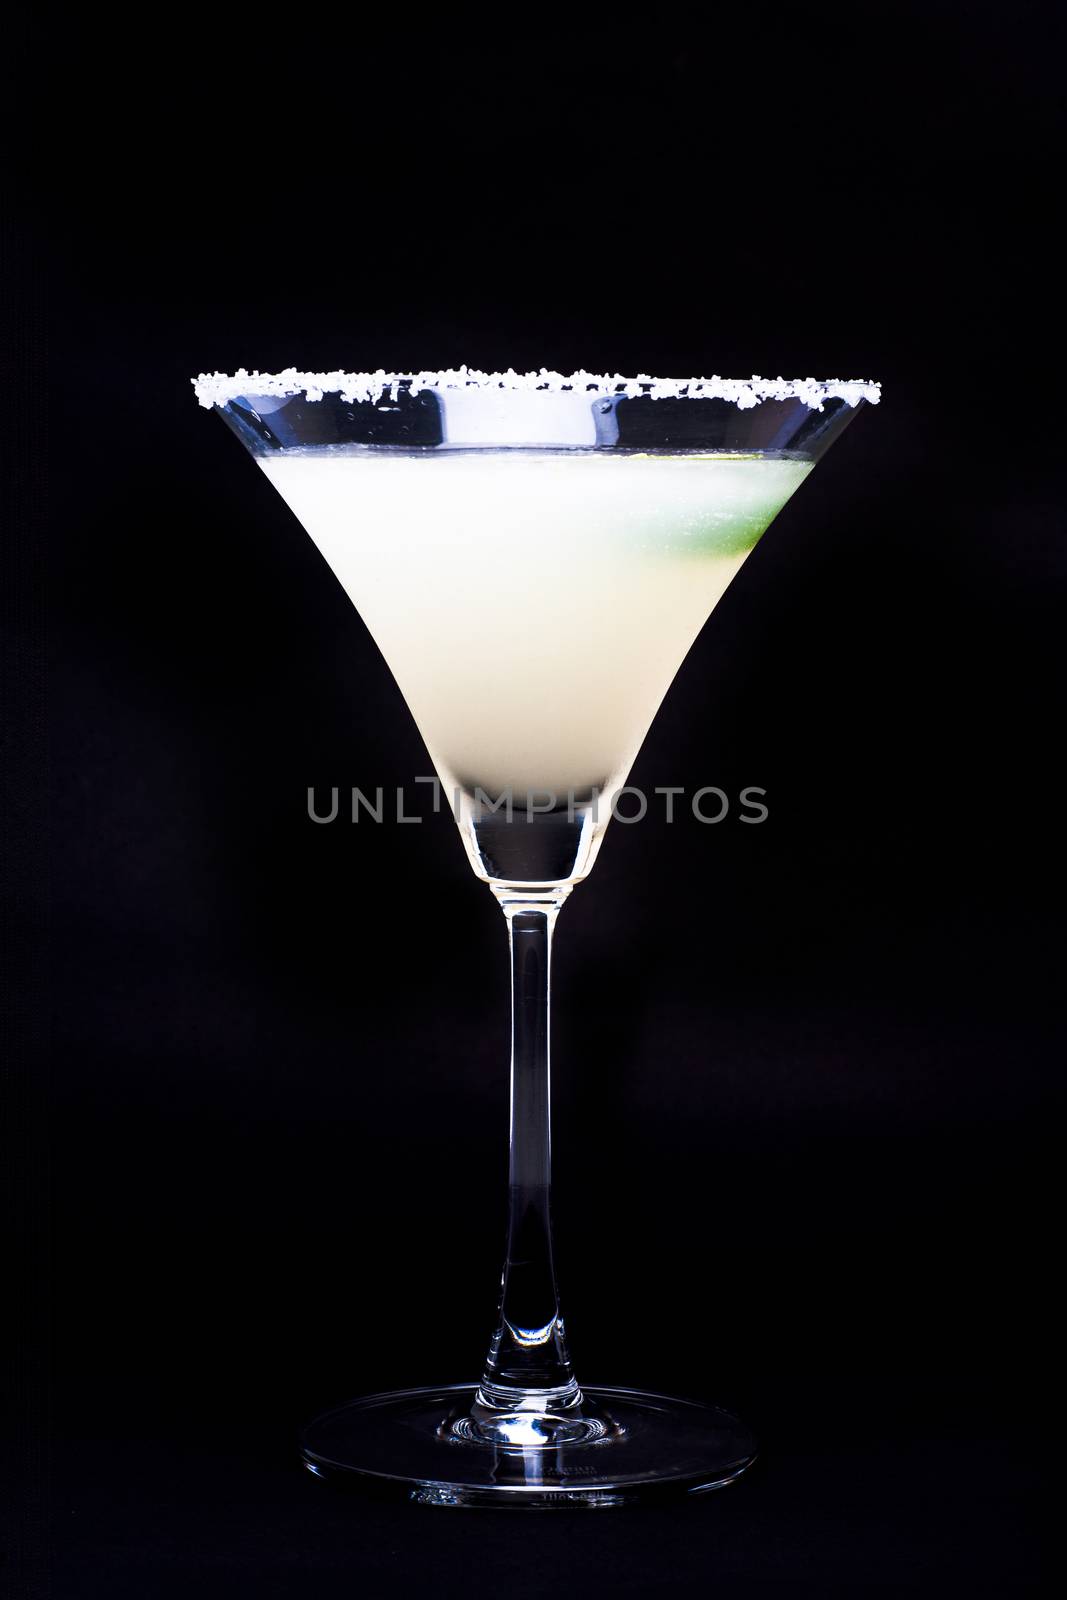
point(804, 1071)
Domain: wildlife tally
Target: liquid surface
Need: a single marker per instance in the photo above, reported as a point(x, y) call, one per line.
point(533, 606)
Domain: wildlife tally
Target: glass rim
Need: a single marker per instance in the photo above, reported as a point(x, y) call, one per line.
point(220, 388)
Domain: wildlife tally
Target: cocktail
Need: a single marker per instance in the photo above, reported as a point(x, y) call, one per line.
point(534, 555)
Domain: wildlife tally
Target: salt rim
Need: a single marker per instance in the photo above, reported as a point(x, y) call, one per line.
point(217, 388)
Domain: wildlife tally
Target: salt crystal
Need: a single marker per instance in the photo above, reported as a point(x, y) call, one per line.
point(218, 388)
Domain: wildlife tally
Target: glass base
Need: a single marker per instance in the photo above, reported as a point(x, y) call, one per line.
point(420, 1445)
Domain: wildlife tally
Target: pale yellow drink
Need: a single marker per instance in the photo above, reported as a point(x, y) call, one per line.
point(533, 606)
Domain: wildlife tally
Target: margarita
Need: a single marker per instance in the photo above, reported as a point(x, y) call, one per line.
point(533, 606)
point(534, 555)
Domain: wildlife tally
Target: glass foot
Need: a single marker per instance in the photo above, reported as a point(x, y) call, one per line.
point(422, 1445)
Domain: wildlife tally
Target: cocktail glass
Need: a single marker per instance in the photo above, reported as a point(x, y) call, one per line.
point(534, 555)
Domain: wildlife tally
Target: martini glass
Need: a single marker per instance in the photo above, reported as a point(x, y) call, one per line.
point(534, 555)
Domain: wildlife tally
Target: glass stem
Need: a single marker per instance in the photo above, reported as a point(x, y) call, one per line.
point(528, 1366)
